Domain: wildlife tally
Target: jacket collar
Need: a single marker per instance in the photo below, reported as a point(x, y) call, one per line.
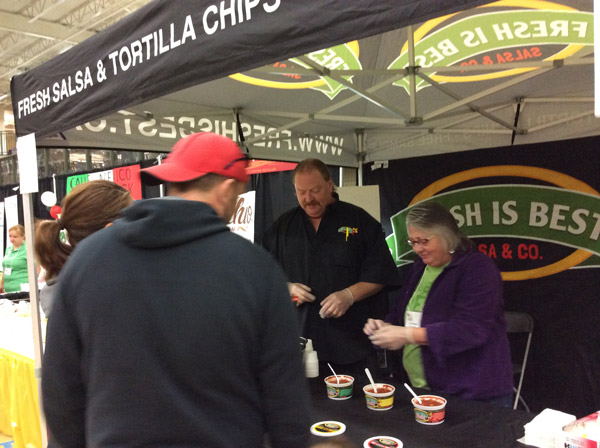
point(458, 258)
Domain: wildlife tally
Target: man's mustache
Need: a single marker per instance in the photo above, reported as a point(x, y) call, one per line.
point(306, 204)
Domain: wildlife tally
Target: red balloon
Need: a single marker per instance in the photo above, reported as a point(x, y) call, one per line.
point(55, 210)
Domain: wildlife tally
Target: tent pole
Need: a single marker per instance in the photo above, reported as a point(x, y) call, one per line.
point(479, 95)
point(596, 12)
point(35, 307)
point(161, 187)
point(365, 94)
point(411, 75)
point(360, 155)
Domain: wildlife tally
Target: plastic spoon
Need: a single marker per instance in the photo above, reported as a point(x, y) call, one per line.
point(334, 374)
point(413, 393)
point(368, 372)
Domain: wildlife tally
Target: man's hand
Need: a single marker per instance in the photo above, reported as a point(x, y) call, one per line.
point(300, 293)
point(392, 337)
point(336, 304)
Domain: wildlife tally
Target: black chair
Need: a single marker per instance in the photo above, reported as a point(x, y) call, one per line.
point(519, 323)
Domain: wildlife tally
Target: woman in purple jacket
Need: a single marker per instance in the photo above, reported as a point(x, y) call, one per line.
point(449, 318)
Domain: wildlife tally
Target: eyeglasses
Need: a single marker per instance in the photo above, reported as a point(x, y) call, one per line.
point(423, 242)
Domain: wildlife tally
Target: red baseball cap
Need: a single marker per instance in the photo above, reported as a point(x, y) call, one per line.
point(196, 155)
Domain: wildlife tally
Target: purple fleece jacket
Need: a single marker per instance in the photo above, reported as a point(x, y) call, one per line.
point(467, 353)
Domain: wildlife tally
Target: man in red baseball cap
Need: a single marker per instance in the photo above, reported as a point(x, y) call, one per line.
point(197, 155)
point(169, 329)
point(197, 165)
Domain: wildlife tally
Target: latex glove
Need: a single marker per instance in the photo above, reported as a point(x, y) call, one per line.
point(373, 325)
point(300, 293)
point(392, 337)
point(336, 304)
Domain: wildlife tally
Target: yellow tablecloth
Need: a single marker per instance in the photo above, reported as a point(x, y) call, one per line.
point(19, 399)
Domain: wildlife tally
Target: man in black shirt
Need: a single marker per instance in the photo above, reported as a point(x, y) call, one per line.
point(337, 263)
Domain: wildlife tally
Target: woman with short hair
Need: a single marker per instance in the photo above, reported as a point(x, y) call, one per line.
point(449, 319)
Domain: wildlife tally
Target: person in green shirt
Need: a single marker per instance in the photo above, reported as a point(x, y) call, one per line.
point(448, 324)
point(14, 264)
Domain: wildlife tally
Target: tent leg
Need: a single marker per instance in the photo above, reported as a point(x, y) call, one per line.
point(360, 135)
point(411, 75)
point(161, 187)
point(35, 307)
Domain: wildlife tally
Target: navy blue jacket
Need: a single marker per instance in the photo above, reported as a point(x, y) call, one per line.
point(169, 330)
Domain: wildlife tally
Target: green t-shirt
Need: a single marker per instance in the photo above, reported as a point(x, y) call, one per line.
point(411, 358)
point(14, 268)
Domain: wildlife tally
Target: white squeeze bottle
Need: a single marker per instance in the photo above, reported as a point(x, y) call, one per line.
point(311, 361)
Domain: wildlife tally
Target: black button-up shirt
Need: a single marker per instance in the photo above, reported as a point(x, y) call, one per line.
point(349, 247)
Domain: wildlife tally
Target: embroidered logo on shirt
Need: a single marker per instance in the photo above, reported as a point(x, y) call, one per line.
point(348, 231)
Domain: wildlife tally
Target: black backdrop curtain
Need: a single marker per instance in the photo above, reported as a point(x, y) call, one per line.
point(274, 194)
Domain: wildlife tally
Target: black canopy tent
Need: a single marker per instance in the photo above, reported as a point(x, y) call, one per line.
point(419, 79)
point(416, 81)
point(168, 46)
point(173, 68)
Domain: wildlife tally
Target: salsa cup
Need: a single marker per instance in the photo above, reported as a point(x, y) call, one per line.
point(432, 410)
point(382, 400)
point(340, 387)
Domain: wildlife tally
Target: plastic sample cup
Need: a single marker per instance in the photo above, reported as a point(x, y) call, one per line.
point(382, 400)
point(431, 410)
point(340, 388)
point(383, 442)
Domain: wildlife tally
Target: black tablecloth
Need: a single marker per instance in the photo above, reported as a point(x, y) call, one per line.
point(468, 424)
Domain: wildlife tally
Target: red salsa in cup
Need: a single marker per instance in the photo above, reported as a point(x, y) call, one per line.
point(431, 401)
point(381, 389)
point(340, 379)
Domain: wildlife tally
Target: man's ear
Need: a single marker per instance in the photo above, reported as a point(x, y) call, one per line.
point(222, 194)
point(225, 189)
point(330, 185)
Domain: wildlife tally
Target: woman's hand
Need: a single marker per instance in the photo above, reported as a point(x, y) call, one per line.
point(373, 325)
point(392, 337)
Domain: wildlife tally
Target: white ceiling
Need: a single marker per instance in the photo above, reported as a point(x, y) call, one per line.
point(34, 31)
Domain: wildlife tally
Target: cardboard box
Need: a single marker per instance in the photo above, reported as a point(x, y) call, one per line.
point(582, 433)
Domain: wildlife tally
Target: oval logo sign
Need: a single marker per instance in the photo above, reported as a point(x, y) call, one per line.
point(564, 212)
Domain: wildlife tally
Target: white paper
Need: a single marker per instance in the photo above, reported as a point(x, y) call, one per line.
point(101, 175)
point(413, 319)
point(28, 168)
point(242, 221)
point(542, 430)
point(11, 211)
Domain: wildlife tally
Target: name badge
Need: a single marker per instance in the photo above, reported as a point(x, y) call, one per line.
point(413, 319)
point(7, 271)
